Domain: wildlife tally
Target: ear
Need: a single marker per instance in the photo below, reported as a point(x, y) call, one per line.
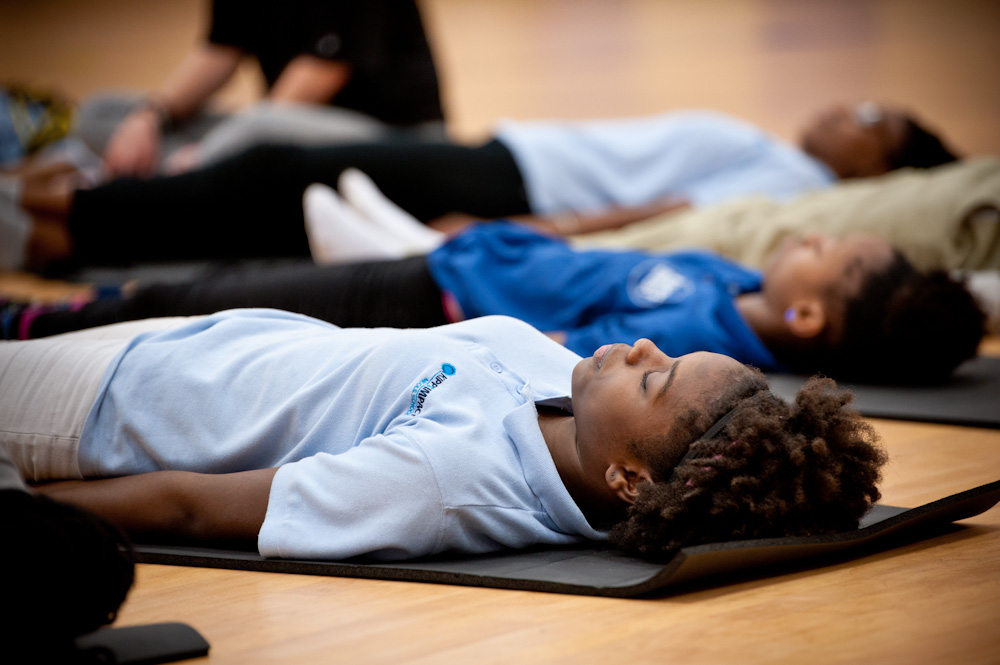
point(623, 479)
point(806, 317)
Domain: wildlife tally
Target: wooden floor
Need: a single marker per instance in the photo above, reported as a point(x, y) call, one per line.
point(773, 62)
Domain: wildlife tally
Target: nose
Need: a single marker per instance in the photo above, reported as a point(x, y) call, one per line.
point(644, 349)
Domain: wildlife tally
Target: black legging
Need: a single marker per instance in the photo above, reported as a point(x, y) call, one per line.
point(250, 205)
point(398, 294)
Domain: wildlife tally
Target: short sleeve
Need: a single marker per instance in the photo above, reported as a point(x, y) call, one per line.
point(379, 499)
point(230, 23)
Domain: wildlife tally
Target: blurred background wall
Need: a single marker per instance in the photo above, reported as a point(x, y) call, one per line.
point(773, 62)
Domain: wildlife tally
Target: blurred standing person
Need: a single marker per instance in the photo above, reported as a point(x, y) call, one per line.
point(336, 71)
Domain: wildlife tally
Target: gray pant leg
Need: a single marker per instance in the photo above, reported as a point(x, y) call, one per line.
point(288, 124)
point(99, 116)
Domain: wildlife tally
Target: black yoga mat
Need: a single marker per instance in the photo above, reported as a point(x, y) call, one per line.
point(597, 571)
point(971, 397)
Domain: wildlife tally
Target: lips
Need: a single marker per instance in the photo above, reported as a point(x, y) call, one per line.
point(600, 353)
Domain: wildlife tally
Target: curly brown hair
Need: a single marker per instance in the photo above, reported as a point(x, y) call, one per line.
point(902, 326)
point(774, 469)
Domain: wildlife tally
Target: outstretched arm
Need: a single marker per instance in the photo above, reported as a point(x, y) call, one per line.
point(134, 147)
point(200, 506)
point(568, 224)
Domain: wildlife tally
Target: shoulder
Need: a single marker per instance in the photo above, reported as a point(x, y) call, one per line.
point(513, 340)
point(487, 328)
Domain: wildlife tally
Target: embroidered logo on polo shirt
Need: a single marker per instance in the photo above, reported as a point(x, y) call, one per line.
point(425, 386)
point(653, 283)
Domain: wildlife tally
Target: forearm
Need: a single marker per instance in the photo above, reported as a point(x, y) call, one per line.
point(137, 504)
point(200, 75)
point(310, 80)
point(134, 148)
point(612, 218)
point(175, 503)
point(571, 223)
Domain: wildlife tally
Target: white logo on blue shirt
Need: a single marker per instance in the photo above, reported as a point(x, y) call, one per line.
point(653, 283)
point(425, 386)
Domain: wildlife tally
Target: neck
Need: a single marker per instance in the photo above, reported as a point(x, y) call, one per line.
point(770, 328)
point(754, 309)
point(559, 431)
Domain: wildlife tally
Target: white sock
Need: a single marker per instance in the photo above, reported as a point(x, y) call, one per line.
point(338, 234)
point(359, 190)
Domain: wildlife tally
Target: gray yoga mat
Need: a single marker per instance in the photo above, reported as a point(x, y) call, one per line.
point(971, 397)
point(598, 571)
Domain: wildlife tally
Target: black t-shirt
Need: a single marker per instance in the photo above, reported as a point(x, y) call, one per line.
point(393, 77)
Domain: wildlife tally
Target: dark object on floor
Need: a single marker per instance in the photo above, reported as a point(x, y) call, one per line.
point(142, 645)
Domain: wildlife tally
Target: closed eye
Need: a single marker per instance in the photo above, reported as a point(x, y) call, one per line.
point(670, 378)
point(644, 377)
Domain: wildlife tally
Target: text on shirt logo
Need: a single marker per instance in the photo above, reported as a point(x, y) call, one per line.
point(425, 386)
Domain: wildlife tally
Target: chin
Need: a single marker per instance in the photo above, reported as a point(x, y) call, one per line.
point(579, 374)
point(777, 255)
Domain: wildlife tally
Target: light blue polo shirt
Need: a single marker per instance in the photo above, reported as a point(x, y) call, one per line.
point(392, 443)
point(699, 156)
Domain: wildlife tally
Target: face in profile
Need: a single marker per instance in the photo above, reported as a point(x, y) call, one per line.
point(626, 394)
point(856, 142)
point(817, 263)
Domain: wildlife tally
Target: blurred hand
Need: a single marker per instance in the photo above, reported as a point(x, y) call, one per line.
point(134, 148)
point(182, 160)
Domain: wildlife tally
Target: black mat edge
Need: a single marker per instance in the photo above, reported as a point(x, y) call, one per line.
point(695, 564)
point(872, 407)
point(701, 563)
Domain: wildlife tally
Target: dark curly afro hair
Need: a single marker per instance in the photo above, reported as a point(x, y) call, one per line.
point(774, 469)
point(902, 326)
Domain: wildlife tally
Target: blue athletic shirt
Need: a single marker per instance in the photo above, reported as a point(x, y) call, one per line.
point(683, 301)
point(700, 156)
point(391, 443)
